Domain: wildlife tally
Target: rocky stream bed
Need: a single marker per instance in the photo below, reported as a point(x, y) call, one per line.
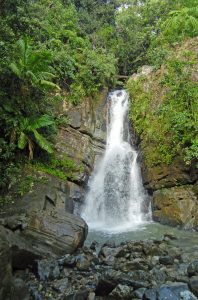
point(150, 270)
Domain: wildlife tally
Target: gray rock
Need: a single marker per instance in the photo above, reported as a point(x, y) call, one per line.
point(150, 294)
point(194, 285)
point(166, 294)
point(80, 295)
point(82, 263)
point(67, 261)
point(166, 260)
point(172, 290)
point(193, 268)
point(121, 292)
point(19, 290)
point(60, 285)
point(139, 293)
point(48, 269)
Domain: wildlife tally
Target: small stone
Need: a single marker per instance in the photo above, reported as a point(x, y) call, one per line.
point(110, 244)
point(121, 292)
point(91, 296)
point(166, 260)
point(48, 269)
point(82, 263)
point(150, 294)
point(67, 261)
point(60, 285)
point(139, 293)
point(193, 268)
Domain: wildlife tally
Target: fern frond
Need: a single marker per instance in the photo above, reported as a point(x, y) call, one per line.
point(22, 142)
point(14, 68)
point(42, 142)
point(49, 85)
point(40, 122)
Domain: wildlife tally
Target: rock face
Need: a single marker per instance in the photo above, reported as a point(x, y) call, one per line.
point(42, 223)
point(174, 186)
point(176, 206)
point(85, 136)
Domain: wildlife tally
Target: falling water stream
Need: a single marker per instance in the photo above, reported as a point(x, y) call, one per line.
point(117, 201)
point(117, 206)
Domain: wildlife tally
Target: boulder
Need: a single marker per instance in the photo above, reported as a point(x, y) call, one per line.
point(167, 176)
point(176, 206)
point(40, 234)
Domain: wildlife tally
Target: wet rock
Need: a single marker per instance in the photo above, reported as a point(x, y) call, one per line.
point(82, 263)
point(94, 245)
point(193, 268)
point(167, 176)
point(107, 255)
point(91, 296)
point(109, 280)
point(110, 244)
point(165, 293)
point(176, 206)
point(159, 275)
point(47, 234)
point(19, 290)
point(48, 269)
point(150, 294)
point(139, 293)
point(121, 292)
point(60, 285)
point(187, 295)
point(172, 291)
point(80, 295)
point(166, 260)
point(67, 261)
point(35, 293)
point(194, 285)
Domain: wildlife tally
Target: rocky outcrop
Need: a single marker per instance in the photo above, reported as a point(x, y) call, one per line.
point(85, 136)
point(168, 176)
point(176, 206)
point(42, 223)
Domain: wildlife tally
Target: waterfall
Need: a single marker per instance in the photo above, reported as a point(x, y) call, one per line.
point(116, 200)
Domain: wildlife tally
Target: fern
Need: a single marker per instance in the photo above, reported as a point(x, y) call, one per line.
point(42, 142)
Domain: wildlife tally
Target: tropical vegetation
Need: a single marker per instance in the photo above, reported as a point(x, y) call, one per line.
point(68, 50)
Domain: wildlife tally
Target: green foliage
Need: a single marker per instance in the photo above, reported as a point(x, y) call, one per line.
point(64, 168)
point(181, 24)
point(52, 50)
point(28, 128)
point(167, 121)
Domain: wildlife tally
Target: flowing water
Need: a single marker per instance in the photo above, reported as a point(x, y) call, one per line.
point(117, 206)
point(117, 201)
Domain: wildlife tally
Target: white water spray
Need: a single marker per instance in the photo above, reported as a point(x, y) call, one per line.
point(116, 198)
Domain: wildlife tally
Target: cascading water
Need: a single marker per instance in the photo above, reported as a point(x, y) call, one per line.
point(116, 198)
